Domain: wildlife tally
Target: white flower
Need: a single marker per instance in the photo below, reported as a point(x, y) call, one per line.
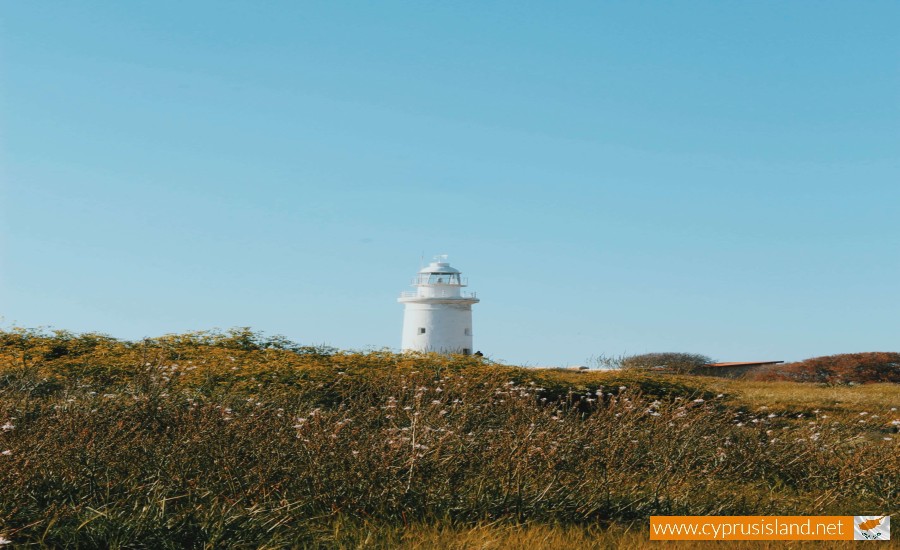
point(772, 415)
point(7, 427)
point(887, 438)
point(621, 388)
point(698, 400)
point(863, 414)
point(7, 452)
point(4, 540)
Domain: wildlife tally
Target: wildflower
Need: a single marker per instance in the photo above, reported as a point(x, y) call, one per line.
point(4, 540)
point(7, 427)
point(893, 408)
point(407, 408)
point(721, 395)
point(863, 413)
point(895, 422)
point(623, 388)
point(887, 438)
point(7, 452)
point(436, 402)
point(698, 400)
point(772, 415)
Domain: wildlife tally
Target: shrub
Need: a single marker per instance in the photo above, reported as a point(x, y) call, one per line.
point(858, 368)
point(683, 363)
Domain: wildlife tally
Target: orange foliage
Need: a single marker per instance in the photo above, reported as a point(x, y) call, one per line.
point(858, 368)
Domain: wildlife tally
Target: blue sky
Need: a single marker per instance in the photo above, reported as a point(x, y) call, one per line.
point(613, 177)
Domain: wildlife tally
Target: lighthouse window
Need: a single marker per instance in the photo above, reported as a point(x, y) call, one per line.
point(467, 332)
point(467, 351)
point(421, 330)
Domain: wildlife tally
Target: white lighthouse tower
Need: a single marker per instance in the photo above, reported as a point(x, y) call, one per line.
point(437, 316)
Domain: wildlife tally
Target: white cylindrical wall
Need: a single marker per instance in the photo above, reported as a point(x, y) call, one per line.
point(447, 326)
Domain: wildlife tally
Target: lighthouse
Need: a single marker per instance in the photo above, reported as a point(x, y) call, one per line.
point(437, 316)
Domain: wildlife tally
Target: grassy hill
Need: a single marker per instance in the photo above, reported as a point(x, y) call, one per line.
point(237, 440)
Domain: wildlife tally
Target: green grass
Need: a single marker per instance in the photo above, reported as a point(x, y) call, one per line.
point(211, 440)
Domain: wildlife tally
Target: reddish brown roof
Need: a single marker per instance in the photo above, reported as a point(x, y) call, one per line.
point(743, 364)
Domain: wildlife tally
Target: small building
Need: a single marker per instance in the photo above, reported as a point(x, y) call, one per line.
point(732, 370)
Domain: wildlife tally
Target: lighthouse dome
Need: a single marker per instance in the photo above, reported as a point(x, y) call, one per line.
point(437, 268)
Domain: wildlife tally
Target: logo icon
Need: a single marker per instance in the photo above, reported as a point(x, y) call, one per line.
point(871, 527)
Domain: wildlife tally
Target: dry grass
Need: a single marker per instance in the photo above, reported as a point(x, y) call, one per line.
point(211, 440)
point(796, 395)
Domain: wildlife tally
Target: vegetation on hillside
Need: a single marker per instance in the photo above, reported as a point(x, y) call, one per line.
point(239, 440)
point(682, 363)
point(845, 368)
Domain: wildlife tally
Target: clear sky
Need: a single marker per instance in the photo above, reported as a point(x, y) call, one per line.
point(614, 177)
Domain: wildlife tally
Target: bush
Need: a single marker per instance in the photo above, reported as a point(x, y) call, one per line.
point(859, 368)
point(682, 363)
